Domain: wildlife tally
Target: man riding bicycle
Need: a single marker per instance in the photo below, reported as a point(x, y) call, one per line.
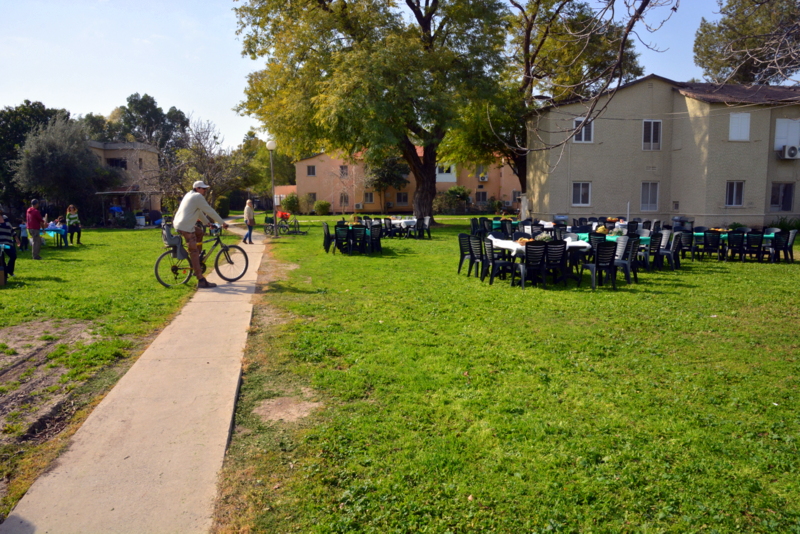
point(193, 208)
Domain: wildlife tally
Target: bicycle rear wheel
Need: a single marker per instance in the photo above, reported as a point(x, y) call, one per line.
point(231, 263)
point(283, 227)
point(172, 271)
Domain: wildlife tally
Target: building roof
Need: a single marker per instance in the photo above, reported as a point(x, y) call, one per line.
point(122, 146)
point(739, 94)
point(714, 93)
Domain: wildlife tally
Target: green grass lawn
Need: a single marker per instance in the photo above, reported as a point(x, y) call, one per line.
point(453, 406)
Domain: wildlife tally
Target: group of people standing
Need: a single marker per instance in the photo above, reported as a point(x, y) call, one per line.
point(30, 232)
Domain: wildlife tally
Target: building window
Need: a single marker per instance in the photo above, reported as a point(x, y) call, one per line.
point(787, 132)
point(444, 169)
point(480, 171)
point(311, 170)
point(117, 163)
point(782, 197)
point(649, 196)
point(369, 198)
point(739, 127)
point(515, 196)
point(584, 134)
point(480, 197)
point(312, 197)
point(651, 135)
point(581, 193)
point(402, 199)
point(343, 172)
point(344, 199)
point(734, 194)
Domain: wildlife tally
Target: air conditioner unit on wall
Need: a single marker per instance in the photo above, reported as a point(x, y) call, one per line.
point(506, 203)
point(390, 204)
point(789, 152)
point(359, 206)
point(483, 178)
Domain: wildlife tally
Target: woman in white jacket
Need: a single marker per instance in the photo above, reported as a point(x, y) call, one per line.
point(250, 221)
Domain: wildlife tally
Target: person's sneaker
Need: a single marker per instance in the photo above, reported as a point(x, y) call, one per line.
point(205, 284)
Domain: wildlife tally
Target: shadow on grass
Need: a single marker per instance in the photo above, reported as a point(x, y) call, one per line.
point(281, 287)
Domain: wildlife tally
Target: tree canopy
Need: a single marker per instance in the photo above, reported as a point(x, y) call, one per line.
point(391, 173)
point(15, 125)
point(369, 76)
point(754, 42)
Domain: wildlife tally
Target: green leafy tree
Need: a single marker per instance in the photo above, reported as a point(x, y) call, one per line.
point(15, 125)
point(565, 50)
point(755, 41)
point(370, 76)
point(144, 121)
point(56, 163)
point(391, 173)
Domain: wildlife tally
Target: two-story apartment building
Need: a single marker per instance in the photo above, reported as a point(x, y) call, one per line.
point(340, 182)
point(138, 163)
point(715, 154)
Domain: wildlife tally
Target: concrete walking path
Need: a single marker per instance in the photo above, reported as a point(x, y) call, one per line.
point(146, 460)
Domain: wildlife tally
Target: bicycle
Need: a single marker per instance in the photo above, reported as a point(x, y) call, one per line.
point(269, 226)
point(173, 267)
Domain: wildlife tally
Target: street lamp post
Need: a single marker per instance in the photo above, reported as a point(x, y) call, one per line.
point(271, 145)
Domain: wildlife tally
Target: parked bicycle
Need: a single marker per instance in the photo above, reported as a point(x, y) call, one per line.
point(287, 224)
point(174, 268)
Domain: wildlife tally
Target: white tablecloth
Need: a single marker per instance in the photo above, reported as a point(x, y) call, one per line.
point(519, 250)
point(408, 223)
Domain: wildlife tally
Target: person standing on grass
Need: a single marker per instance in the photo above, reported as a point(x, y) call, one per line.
point(23, 236)
point(250, 221)
point(73, 223)
point(34, 221)
point(193, 208)
point(7, 243)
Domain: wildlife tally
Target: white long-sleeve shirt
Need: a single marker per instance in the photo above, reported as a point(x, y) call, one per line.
point(192, 208)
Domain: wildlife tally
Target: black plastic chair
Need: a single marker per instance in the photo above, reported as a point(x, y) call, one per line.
point(327, 238)
point(493, 264)
point(417, 231)
point(753, 245)
point(427, 224)
point(647, 224)
point(520, 235)
point(687, 244)
point(656, 226)
point(632, 227)
point(628, 263)
point(735, 246)
point(591, 219)
point(671, 253)
point(712, 243)
point(700, 229)
point(777, 245)
point(463, 250)
point(359, 239)
point(604, 263)
point(556, 260)
point(476, 257)
point(651, 251)
point(374, 239)
point(342, 239)
point(582, 221)
point(486, 225)
point(507, 228)
point(474, 226)
point(388, 228)
point(532, 266)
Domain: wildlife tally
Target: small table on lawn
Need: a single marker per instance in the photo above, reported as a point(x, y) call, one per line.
point(643, 240)
point(573, 247)
point(59, 234)
point(497, 225)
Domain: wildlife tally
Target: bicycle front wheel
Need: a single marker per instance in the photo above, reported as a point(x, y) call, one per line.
point(172, 271)
point(231, 263)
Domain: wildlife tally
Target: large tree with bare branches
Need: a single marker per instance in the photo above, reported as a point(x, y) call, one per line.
point(558, 50)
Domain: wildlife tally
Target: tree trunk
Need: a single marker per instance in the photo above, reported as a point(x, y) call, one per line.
point(424, 169)
point(520, 167)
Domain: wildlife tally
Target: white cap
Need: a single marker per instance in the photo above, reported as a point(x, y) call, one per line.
point(200, 183)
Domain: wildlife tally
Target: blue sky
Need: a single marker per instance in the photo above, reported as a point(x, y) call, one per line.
point(90, 55)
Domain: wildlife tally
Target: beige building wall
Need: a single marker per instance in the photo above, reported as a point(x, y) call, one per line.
point(141, 162)
point(322, 175)
point(692, 168)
